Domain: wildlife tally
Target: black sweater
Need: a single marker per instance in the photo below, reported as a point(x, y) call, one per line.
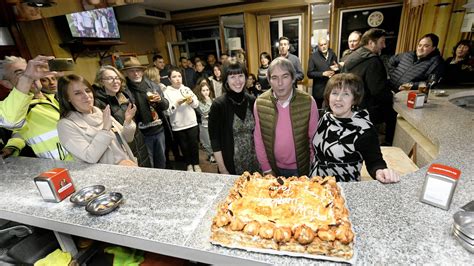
point(342, 144)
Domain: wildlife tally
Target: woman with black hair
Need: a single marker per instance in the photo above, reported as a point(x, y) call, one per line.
point(231, 124)
point(265, 60)
point(216, 79)
point(460, 67)
point(182, 102)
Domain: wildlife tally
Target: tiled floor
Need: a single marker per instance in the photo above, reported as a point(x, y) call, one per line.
point(206, 166)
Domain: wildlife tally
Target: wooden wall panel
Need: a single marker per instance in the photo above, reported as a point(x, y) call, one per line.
point(169, 32)
point(36, 37)
point(62, 7)
point(55, 38)
point(260, 7)
point(251, 42)
point(139, 39)
point(442, 17)
point(352, 3)
point(263, 35)
point(456, 21)
point(436, 20)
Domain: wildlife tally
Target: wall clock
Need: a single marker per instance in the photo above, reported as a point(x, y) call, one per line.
point(375, 19)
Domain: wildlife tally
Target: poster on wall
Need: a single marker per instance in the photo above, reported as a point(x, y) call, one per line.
point(362, 19)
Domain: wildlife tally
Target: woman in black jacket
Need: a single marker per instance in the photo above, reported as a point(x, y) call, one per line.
point(460, 67)
point(110, 89)
point(231, 124)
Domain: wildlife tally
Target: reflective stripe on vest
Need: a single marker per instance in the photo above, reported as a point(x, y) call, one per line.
point(4, 123)
point(54, 154)
point(42, 138)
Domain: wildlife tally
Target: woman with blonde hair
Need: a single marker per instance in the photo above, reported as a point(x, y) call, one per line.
point(152, 73)
point(110, 89)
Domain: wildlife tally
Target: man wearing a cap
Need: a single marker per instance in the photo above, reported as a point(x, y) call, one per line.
point(149, 117)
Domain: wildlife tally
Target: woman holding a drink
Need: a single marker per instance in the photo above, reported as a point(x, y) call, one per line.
point(183, 118)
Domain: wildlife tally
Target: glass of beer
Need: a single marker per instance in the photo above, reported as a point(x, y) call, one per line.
point(151, 94)
point(423, 88)
point(187, 94)
point(406, 86)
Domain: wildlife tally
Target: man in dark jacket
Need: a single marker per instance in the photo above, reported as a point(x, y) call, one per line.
point(189, 75)
point(416, 66)
point(366, 63)
point(150, 103)
point(321, 66)
point(354, 42)
point(159, 62)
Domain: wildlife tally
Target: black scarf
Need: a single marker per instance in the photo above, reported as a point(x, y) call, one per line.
point(139, 90)
point(239, 103)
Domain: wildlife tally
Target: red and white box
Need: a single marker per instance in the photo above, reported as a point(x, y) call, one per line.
point(439, 186)
point(415, 99)
point(55, 185)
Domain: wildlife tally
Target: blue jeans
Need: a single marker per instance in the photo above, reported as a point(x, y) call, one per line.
point(288, 172)
point(156, 149)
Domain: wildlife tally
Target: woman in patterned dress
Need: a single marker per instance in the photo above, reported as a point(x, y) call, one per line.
point(346, 137)
point(231, 124)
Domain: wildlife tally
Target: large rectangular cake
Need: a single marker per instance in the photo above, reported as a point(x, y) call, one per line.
point(297, 214)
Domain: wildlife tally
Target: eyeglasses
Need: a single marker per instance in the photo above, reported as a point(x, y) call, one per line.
point(111, 79)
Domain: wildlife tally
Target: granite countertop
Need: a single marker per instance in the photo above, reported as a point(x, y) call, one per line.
point(170, 212)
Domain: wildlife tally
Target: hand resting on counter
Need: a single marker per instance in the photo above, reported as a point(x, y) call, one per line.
point(387, 176)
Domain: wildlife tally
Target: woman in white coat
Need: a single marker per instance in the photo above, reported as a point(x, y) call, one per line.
point(89, 134)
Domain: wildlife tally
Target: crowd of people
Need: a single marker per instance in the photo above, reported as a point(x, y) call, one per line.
point(382, 78)
point(138, 115)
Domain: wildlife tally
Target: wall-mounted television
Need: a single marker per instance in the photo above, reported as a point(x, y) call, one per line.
point(98, 24)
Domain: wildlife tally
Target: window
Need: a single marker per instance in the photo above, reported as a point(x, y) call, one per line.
point(289, 27)
point(197, 41)
point(320, 19)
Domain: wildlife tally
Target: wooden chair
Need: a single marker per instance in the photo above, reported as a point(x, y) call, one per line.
point(396, 159)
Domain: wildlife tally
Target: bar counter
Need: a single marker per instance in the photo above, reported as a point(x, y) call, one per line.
point(170, 212)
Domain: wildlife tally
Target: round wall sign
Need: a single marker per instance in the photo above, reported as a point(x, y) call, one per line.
point(375, 19)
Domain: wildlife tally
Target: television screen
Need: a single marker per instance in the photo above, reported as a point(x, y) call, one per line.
point(97, 23)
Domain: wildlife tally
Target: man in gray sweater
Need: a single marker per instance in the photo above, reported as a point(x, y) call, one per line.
point(283, 48)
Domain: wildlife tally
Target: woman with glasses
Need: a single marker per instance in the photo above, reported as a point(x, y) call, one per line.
point(346, 137)
point(110, 89)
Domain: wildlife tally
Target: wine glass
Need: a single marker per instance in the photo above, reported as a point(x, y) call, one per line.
point(431, 83)
point(432, 80)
